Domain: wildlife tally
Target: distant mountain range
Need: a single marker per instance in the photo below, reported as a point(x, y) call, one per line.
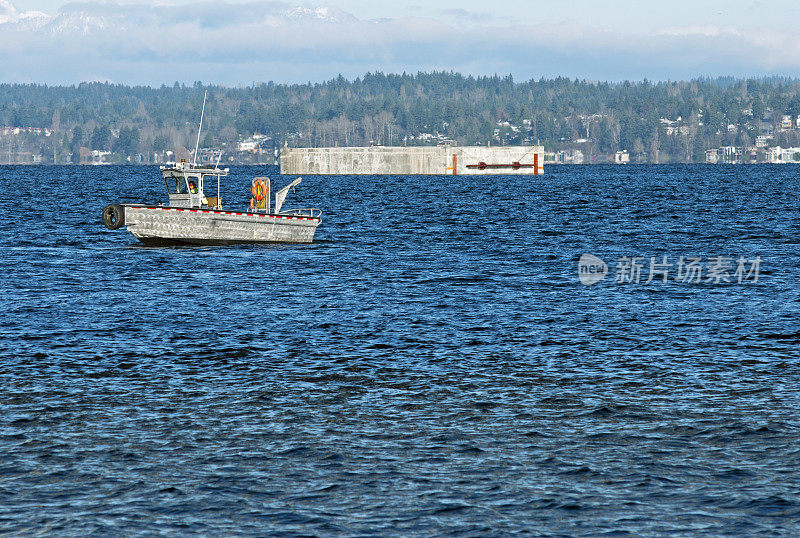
point(85, 18)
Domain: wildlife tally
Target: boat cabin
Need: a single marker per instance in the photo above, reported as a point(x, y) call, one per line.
point(186, 182)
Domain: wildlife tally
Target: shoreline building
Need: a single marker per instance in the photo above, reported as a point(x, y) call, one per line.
point(622, 157)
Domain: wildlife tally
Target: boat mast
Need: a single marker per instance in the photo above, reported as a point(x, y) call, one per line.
point(197, 144)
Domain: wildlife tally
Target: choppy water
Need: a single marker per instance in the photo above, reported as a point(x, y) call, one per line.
point(431, 365)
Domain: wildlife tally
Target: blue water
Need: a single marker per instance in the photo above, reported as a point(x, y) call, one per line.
point(430, 365)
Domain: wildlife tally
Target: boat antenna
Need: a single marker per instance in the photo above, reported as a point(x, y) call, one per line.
point(219, 200)
point(197, 144)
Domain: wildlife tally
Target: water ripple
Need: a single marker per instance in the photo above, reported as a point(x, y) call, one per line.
point(430, 365)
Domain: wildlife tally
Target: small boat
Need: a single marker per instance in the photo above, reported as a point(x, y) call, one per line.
point(192, 218)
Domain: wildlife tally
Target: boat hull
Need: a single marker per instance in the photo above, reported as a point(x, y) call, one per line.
point(164, 226)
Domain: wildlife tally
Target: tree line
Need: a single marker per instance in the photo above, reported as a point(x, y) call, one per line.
point(396, 109)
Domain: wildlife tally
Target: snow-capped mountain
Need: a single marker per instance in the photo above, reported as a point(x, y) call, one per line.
point(21, 19)
point(87, 17)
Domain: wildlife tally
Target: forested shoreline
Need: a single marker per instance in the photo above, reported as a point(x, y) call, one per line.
point(654, 122)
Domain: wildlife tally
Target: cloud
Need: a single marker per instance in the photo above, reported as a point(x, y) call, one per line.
point(155, 43)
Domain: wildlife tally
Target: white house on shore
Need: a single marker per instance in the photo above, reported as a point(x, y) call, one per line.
point(779, 155)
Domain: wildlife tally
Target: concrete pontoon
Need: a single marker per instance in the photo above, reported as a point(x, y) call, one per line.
point(192, 218)
point(425, 160)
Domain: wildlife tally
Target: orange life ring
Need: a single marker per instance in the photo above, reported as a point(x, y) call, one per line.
point(259, 190)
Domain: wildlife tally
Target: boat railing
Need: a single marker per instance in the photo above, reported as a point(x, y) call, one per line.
point(312, 212)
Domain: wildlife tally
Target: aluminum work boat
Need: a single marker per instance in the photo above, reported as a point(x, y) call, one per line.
point(192, 218)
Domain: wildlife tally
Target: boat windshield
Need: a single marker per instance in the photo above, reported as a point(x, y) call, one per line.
point(176, 185)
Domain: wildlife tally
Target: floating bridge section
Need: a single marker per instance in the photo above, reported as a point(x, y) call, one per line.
point(439, 160)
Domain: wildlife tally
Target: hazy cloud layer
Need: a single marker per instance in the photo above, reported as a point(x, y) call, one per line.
point(243, 43)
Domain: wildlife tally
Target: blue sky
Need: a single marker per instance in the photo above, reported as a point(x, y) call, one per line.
point(246, 41)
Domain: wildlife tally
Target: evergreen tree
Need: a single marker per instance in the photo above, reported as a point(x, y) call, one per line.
point(101, 138)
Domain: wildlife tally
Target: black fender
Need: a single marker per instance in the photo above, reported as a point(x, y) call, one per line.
point(114, 216)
